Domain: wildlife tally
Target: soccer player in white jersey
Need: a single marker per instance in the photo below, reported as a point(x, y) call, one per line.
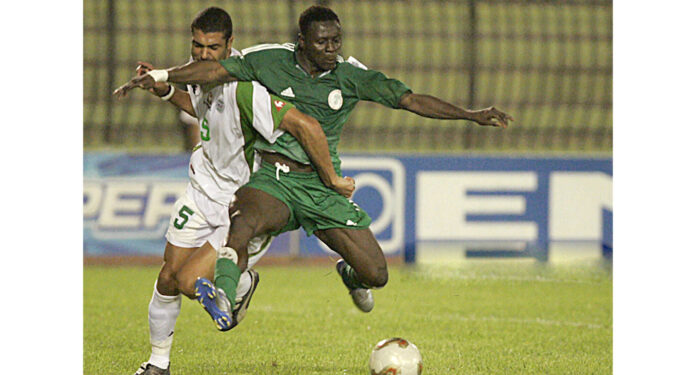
point(230, 116)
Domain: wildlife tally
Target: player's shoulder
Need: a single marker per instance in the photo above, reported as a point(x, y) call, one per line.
point(352, 67)
point(269, 49)
point(351, 63)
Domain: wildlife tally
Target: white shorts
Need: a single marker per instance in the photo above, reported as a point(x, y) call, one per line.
point(197, 219)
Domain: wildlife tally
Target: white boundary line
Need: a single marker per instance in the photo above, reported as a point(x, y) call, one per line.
point(540, 321)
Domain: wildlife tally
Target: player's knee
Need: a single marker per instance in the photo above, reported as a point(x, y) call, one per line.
point(186, 285)
point(166, 282)
point(378, 277)
point(382, 278)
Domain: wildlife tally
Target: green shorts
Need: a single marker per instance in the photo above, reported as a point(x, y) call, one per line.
point(312, 205)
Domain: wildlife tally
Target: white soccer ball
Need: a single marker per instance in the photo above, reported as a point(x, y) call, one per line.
point(395, 356)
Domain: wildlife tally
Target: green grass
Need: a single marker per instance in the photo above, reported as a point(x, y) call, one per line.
point(482, 318)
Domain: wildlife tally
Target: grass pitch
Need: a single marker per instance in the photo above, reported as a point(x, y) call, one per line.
point(484, 317)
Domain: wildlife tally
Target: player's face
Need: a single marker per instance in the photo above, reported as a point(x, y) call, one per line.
point(322, 44)
point(210, 46)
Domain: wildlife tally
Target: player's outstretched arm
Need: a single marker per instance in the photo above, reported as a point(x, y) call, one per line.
point(313, 140)
point(432, 107)
point(195, 72)
point(165, 91)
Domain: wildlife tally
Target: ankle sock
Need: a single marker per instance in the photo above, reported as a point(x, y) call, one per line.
point(350, 278)
point(227, 275)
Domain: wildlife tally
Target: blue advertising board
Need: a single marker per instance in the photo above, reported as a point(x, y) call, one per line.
point(498, 206)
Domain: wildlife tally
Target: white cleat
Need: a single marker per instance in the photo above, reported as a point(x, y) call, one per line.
point(362, 298)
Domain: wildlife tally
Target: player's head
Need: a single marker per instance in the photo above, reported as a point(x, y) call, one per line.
point(211, 35)
point(320, 37)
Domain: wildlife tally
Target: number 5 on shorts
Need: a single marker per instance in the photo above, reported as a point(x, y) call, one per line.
point(184, 213)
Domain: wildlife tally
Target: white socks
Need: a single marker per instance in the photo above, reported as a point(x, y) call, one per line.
point(162, 315)
point(243, 286)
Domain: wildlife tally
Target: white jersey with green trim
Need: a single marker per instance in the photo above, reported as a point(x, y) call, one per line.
point(224, 159)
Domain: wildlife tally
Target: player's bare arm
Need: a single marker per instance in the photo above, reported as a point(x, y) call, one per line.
point(432, 107)
point(179, 98)
point(313, 140)
point(195, 72)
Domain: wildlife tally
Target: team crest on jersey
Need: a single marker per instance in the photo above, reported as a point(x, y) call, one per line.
point(335, 99)
point(219, 105)
point(278, 104)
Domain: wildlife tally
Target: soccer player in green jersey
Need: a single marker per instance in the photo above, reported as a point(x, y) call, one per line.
point(285, 193)
point(231, 117)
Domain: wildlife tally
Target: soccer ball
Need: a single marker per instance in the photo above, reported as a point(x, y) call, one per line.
point(395, 356)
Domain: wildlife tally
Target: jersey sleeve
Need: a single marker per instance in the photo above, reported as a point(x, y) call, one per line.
point(260, 110)
point(191, 91)
point(376, 87)
point(240, 68)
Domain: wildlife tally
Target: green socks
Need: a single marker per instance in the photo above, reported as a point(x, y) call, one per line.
point(227, 277)
point(350, 279)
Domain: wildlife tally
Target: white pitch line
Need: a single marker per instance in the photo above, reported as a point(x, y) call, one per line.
point(537, 278)
point(512, 278)
point(526, 321)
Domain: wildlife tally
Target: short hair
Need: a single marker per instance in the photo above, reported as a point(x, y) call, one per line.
point(316, 13)
point(211, 20)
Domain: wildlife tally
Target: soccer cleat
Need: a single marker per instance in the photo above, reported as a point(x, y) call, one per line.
point(242, 303)
point(362, 298)
point(206, 294)
point(150, 369)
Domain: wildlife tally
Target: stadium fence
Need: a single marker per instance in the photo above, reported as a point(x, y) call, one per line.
point(547, 63)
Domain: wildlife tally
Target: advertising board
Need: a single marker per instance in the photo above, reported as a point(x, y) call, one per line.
point(497, 206)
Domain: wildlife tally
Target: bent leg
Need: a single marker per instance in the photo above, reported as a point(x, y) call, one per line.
point(201, 263)
point(362, 252)
point(174, 259)
point(165, 305)
point(254, 213)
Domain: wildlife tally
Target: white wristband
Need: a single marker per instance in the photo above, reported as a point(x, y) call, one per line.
point(169, 93)
point(159, 75)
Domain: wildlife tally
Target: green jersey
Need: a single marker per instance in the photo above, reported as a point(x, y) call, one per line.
point(328, 97)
